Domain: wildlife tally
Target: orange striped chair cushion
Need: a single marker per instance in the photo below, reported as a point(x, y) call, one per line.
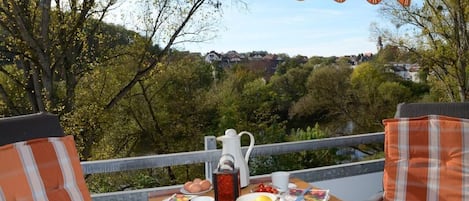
point(426, 158)
point(374, 1)
point(42, 169)
point(402, 2)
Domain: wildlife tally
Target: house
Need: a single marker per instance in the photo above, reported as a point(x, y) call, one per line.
point(406, 71)
point(256, 61)
point(212, 56)
point(414, 70)
point(232, 57)
point(257, 55)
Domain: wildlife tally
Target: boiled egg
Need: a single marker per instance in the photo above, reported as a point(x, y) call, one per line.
point(194, 188)
point(197, 180)
point(186, 185)
point(205, 184)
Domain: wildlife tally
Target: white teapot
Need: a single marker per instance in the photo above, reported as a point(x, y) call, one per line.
point(231, 142)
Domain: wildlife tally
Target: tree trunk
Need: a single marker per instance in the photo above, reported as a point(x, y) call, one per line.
point(45, 62)
point(38, 90)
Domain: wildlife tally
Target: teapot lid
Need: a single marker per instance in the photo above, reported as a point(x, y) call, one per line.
point(230, 132)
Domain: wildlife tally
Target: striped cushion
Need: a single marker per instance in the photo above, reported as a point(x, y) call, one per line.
point(42, 169)
point(402, 2)
point(374, 1)
point(427, 158)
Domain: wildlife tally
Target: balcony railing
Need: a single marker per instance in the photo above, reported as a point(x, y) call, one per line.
point(211, 155)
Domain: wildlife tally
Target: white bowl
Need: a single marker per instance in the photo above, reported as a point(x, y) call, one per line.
point(203, 198)
point(253, 196)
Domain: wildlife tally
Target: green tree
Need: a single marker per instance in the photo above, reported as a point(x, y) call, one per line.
point(165, 114)
point(52, 46)
point(346, 100)
point(316, 158)
point(436, 31)
point(245, 101)
point(300, 160)
point(67, 61)
point(290, 63)
point(370, 106)
point(169, 22)
point(289, 88)
point(388, 54)
point(327, 99)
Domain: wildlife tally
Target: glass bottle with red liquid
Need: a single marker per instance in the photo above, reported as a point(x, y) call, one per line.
point(226, 181)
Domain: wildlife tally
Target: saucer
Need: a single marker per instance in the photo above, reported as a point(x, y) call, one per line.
point(184, 191)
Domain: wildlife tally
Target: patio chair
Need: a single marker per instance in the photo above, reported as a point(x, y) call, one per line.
point(460, 110)
point(38, 162)
point(425, 152)
point(28, 127)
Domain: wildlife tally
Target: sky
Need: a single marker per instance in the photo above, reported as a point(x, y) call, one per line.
point(308, 28)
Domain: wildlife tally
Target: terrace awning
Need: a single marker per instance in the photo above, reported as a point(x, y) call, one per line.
point(402, 2)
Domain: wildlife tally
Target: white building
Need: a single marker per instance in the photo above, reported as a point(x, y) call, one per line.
point(406, 71)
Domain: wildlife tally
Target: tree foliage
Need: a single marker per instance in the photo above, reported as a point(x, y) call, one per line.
point(124, 92)
point(55, 44)
point(327, 96)
point(316, 158)
point(164, 115)
point(347, 101)
point(52, 46)
point(117, 91)
point(246, 102)
point(437, 33)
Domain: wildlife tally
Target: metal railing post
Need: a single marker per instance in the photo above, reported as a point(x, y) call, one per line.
point(210, 143)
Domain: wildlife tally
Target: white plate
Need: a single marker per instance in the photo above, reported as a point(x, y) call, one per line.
point(182, 190)
point(317, 194)
point(202, 198)
point(188, 197)
point(290, 185)
point(253, 196)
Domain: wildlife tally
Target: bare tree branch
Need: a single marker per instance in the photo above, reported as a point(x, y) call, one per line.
point(140, 74)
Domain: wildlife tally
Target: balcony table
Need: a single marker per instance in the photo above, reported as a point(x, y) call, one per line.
point(160, 196)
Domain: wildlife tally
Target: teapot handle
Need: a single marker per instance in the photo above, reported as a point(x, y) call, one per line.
point(251, 144)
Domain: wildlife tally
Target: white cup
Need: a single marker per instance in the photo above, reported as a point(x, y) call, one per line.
point(280, 180)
